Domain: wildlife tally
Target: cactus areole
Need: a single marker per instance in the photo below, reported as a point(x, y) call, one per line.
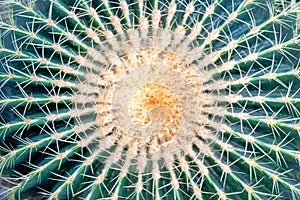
point(158, 99)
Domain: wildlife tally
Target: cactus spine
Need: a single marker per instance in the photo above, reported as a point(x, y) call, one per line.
point(159, 99)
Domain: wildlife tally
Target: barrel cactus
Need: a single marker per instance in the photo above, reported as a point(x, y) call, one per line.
point(150, 99)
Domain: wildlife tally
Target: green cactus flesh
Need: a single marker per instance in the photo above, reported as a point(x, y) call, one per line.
point(156, 99)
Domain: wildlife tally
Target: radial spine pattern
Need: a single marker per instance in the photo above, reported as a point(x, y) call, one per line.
point(158, 99)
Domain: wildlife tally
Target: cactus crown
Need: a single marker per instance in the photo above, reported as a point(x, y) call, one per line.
point(160, 99)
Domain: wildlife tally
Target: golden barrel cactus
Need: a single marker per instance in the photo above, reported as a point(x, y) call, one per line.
point(149, 99)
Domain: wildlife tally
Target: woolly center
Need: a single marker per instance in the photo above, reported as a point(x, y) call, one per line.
point(156, 106)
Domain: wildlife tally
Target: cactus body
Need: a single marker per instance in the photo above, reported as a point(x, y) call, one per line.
point(150, 99)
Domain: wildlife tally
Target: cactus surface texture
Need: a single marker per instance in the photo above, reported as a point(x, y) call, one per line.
point(149, 99)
